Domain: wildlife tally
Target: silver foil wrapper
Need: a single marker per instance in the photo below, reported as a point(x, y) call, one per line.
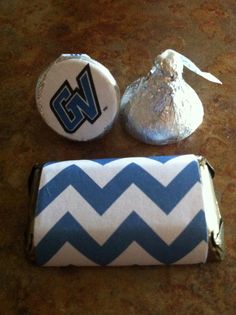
point(161, 108)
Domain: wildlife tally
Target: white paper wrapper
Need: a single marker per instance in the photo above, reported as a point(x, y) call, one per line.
point(129, 211)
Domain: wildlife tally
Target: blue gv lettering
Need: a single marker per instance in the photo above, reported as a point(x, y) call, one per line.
point(73, 107)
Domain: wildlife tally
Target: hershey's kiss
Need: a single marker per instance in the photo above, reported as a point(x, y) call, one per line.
point(161, 108)
point(78, 97)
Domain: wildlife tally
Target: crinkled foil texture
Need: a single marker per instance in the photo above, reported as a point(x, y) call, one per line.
point(161, 108)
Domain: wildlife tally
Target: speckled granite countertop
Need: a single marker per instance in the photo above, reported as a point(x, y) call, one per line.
point(125, 36)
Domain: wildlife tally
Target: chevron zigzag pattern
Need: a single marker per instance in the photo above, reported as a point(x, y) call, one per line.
point(101, 210)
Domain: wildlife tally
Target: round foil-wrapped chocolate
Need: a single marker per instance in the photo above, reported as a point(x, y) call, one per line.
point(78, 97)
point(162, 108)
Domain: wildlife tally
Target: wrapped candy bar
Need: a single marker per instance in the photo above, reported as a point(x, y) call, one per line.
point(162, 108)
point(127, 211)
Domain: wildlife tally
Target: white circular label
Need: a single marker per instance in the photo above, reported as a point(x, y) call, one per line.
point(78, 97)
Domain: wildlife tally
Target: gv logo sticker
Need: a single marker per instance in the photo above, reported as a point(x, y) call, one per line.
point(73, 107)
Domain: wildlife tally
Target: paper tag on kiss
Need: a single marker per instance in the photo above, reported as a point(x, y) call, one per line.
point(191, 66)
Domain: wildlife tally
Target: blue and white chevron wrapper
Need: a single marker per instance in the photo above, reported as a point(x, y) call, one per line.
point(127, 211)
